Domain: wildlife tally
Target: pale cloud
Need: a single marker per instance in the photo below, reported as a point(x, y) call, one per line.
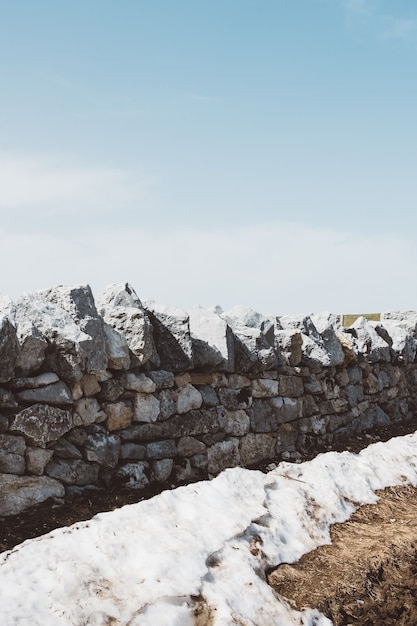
point(48, 184)
point(272, 267)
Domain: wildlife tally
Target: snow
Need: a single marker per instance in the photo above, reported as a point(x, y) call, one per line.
point(197, 554)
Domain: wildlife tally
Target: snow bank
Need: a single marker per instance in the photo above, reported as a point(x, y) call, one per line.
point(198, 554)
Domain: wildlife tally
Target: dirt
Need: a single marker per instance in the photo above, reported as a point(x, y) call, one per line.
point(367, 576)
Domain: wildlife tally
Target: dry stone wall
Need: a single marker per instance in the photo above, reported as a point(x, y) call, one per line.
point(119, 392)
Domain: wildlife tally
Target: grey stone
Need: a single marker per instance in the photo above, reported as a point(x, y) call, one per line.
point(233, 422)
point(161, 470)
point(88, 411)
point(289, 343)
point(267, 414)
point(213, 343)
point(68, 345)
point(135, 381)
point(192, 424)
point(328, 327)
point(78, 302)
point(9, 349)
point(18, 493)
point(4, 424)
point(369, 343)
point(132, 451)
point(111, 390)
point(286, 437)
point(163, 379)
point(37, 459)
point(103, 449)
point(7, 400)
point(122, 310)
point(209, 395)
point(188, 398)
point(254, 339)
point(65, 450)
point(171, 332)
point(11, 462)
point(290, 386)
point(167, 404)
point(354, 394)
point(199, 461)
point(117, 348)
point(235, 399)
point(257, 448)
point(264, 388)
point(161, 449)
point(146, 407)
point(89, 385)
point(222, 455)
point(73, 471)
point(41, 423)
point(189, 446)
point(57, 393)
point(133, 475)
point(34, 382)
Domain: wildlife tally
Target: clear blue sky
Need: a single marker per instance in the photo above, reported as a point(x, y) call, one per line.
point(256, 152)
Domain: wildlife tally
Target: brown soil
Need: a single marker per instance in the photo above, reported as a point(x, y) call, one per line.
point(368, 575)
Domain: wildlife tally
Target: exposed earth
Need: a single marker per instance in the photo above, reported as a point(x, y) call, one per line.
point(367, 576)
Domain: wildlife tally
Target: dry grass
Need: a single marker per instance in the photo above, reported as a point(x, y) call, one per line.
point(348, 319)
point(367, 575)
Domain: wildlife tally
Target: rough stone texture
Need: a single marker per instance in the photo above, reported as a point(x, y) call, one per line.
point(306, 381)
point(146, 408)
point(264, 388)
point(254, 339)
point(117, 348)
point(171, 331)
point(233, 422)
point(7, 399)
point(9, 349)
point(37, 459)
point(103, 449)
point(41, 423)
point(132, 451)
point(161, 470)
point(73, 472)
point(223, 454)
point(136, 381)
point(189, 446)
point(78, 301)
point(17, 493)
point(57, 393)
point(188, 398)
point(64, 449)
point(119, 415)
point(34, 382)
point(90, 385)
point(213, 343)
point(122, 310)
point(133, 475)
point(162, 379)
point(256, 448)
point(88, 411)
point(161, 449)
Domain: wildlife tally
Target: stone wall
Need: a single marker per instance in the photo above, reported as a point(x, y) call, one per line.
point(121, 392)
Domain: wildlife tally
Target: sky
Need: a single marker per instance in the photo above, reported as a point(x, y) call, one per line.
point(232, 152)
point(199, 550)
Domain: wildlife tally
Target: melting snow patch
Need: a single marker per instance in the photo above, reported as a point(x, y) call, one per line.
point(198, 554)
